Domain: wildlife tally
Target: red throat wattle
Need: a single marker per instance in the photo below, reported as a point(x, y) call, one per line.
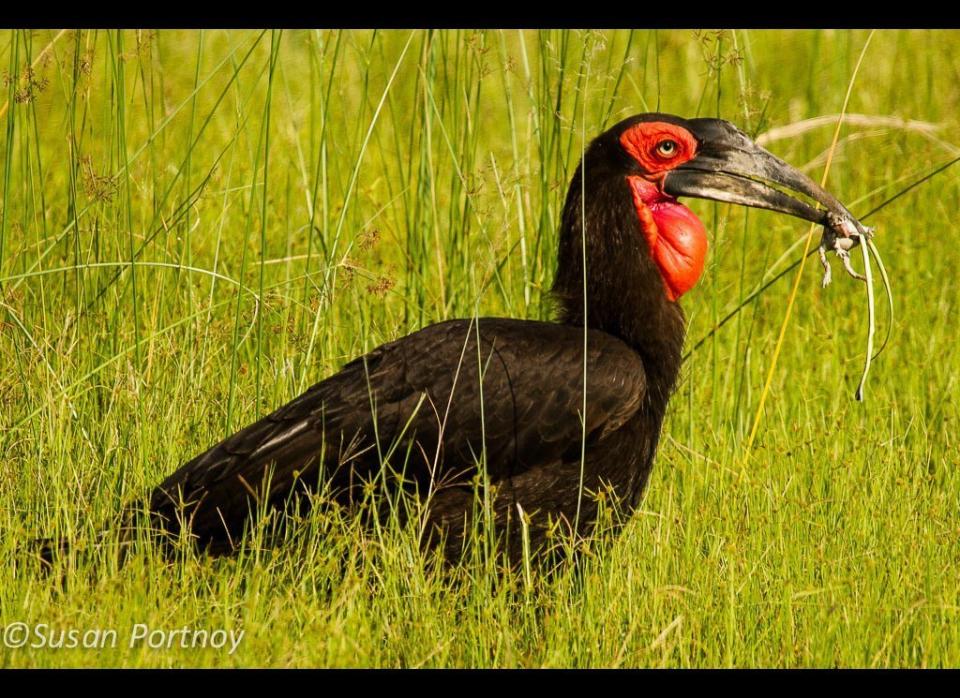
point(677, 238)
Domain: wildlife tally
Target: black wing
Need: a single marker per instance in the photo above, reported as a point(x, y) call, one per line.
point(428, 405)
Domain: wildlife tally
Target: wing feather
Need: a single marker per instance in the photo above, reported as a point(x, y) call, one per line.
point(511, 387)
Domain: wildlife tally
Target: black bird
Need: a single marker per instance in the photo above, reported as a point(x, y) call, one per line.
point(432, 410)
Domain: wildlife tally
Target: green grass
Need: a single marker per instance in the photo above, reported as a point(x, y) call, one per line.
point(293, 200)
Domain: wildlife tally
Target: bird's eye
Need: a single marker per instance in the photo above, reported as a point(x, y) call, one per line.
point(666, 149)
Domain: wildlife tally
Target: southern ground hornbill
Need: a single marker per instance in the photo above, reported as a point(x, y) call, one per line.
point(503, 398)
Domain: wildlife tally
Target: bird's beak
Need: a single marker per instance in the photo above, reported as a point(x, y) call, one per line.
point(730, 167)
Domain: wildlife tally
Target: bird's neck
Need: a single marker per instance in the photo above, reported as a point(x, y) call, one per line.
point(622, 286)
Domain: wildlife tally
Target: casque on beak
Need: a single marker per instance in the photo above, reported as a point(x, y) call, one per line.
point(730, 167)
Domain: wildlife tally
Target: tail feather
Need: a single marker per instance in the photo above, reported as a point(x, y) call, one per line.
point(47, 550)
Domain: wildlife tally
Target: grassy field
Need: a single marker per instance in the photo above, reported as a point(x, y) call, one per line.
point(293, 199)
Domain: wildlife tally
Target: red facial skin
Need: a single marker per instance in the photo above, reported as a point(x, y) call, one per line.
point(676, 237)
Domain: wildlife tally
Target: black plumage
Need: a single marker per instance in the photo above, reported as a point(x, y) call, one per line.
point(433, 410)
point(424, 390)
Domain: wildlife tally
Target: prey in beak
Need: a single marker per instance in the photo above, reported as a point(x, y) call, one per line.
point(731, 168)
point(668, 157)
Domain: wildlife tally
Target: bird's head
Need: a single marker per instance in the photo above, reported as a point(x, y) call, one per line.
point(656, 158)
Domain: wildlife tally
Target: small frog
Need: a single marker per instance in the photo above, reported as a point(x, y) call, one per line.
point(841, 234)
